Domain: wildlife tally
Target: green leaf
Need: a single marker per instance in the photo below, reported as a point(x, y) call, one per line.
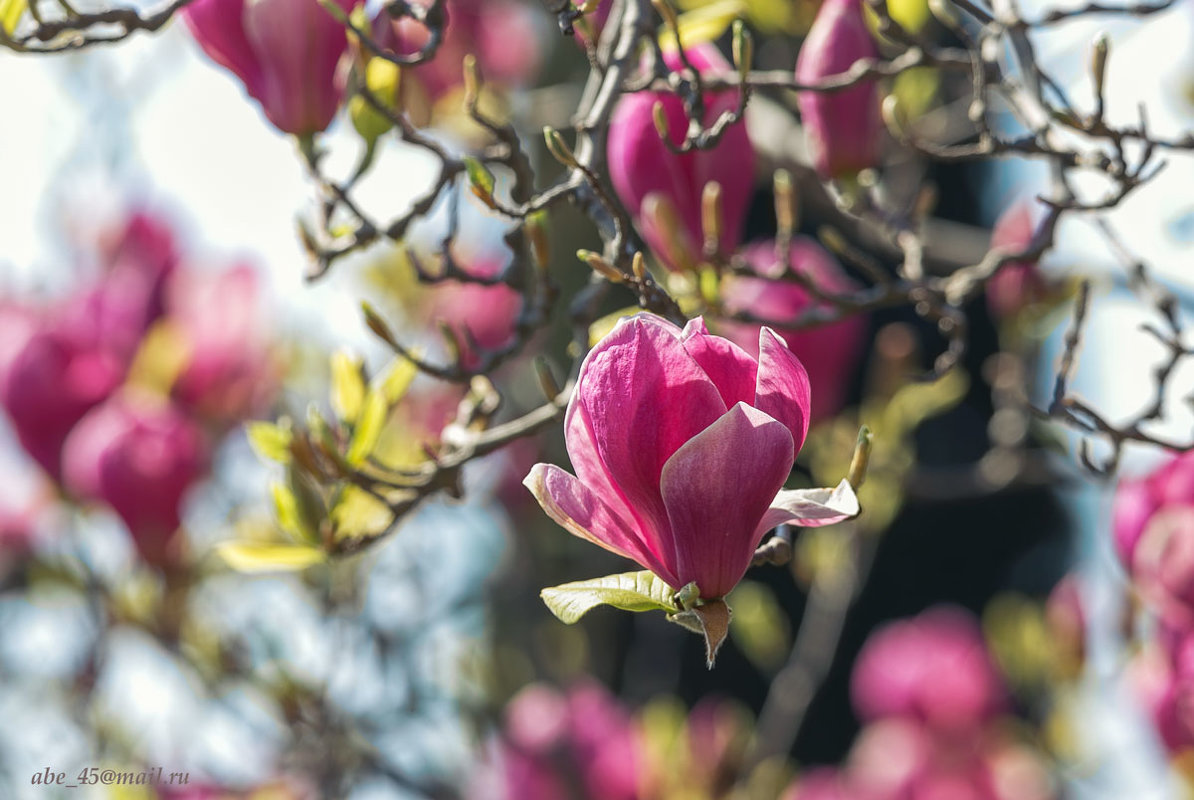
point(348, 386)
point(261, 557)
point(629, 591)
point(374, 411)
point(479, 175)
point(270, 440)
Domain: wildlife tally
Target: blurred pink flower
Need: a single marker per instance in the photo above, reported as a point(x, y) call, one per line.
point(486, 314)
point(284, 51)
point(1065, 614)
point(821, 783)
point(843, 128)
point(1158, 689)
point(1163, 563)
point(502, 34)
point(139, 455)
point(831, 352)
point(228, 374)
point(934, 668)
point(682, 442)
point(1018, 284)
point(1136, 500)
point(56, 376)
point(551, 742)
point(644, 171)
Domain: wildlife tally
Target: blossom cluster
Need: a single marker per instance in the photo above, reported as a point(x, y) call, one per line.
point(119, 390)
point(931, 701)
point(1154, 539)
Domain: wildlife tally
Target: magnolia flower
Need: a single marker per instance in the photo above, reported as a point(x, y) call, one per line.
point(1136, 500)
point(57, 374)
point(284, 51)
point(830, 353)
point(227, 372)
point(139, 455)
point(681, 443)
point(934, 668)
point(843, 128)
point(479, 313)
point(646, 174)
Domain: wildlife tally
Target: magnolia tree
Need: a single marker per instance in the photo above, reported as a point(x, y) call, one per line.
point(776, 345)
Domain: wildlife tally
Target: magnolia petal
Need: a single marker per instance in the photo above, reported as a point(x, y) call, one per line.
point(731, 368)
point(810, 508)
point(217, 27)
point(716, 487)
point(783, 389)
point(641, 397)
point(583, 514)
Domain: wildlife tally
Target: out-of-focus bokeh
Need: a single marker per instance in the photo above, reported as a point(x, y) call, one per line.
point(185, 612)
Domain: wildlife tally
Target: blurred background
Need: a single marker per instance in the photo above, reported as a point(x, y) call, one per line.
point(153, 303)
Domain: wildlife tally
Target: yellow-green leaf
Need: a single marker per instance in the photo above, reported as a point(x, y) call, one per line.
point(357, 513)
point(11, 12)
point(479, 175)
point(396, 379)
point(270, 441)
point(374, 411)
point(259, 557)
point(629, 591)
point(348, 386)
point(704, 24)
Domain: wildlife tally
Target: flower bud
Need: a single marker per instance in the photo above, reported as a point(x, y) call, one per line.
point(284, 51)
point(139, 456)
point(843, 128)
point(640, 163)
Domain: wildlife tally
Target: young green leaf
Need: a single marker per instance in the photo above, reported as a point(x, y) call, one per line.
point(629, 591)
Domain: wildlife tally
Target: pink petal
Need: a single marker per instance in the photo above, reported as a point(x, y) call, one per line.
point(641, 396)
point(730, 367)
point(582, 513)
point(783, 389)
point(716, 487)
point(299, 44)
point(811, 508)
point(218, 27)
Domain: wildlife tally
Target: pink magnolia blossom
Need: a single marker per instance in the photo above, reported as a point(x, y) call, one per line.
point(681, 442)
point(1160, 691)
point(227, 374)
point(56, 376)
point(830, 353)
point(583, 739)
point(1163, 563)
point(139, 456)
point(843, 128)
point(284, 51)
point(502, 34)
point(476, 312)
point(644, 171)
point(1018, 284)
point(1136, 500)
point(934, 668)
